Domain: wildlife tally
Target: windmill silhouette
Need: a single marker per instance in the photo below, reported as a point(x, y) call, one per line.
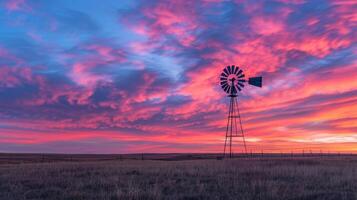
point(232, 80)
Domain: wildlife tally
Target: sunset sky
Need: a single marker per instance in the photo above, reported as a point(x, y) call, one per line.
point(130, 76)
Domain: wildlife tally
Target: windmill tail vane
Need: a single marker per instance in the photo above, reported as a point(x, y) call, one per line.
point(232, 81)
point(256, 81)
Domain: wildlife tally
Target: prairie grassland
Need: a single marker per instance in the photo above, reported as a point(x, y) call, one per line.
point(242, 178)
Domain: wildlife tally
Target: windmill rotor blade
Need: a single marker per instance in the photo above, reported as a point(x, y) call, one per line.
point(235, 71)
point(256, 81)
point(224, 87)
point(226, 71)
point(239, 72)
point(227, 89)
point(233, 68)
point(242, 80)
point(224, 82)
point(223, 79)
point(241, 84)
point(229, 69)
point(241, 76)
point(224, 75)
point(239, 89)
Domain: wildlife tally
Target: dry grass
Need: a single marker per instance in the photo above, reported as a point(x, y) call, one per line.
point(274, 178)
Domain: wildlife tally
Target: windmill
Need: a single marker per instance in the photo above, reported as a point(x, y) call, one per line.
point(232, 81)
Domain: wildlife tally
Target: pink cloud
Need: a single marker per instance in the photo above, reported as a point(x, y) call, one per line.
point(14, 76)
point(266, 26)
point(316, 46)
point(80, 74)
point(17, 5)
point(107, 53)
point(169, 18)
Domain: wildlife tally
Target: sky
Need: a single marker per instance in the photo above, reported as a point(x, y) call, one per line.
point(132, 76)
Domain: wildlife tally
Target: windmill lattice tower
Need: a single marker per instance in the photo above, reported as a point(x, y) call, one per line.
point(232, 80)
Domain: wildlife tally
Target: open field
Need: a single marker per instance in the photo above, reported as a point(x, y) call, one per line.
point(115, 177)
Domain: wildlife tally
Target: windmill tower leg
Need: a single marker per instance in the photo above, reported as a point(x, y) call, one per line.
point(232, 127)
point(241, 127)
point(228, 132)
